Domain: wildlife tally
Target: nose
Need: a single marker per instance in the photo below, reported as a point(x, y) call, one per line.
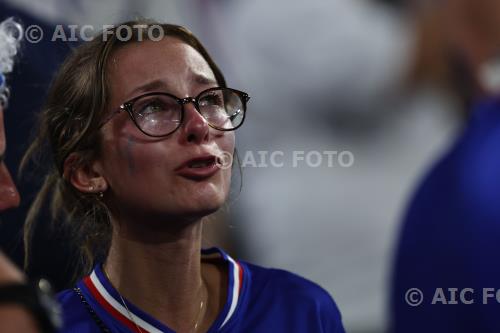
point(195, 128)
point(9, 196)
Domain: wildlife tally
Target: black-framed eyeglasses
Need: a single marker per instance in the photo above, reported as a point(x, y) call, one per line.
point(160, 114)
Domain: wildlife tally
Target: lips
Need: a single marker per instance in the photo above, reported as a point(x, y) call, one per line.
point(199, 168)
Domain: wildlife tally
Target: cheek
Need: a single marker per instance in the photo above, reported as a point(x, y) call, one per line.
point(140, 173)
point(132, 163)
point(126, 154)
point(226, 145)
point(9, 197)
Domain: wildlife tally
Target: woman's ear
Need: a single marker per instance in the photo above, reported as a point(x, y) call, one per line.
point(86, 177)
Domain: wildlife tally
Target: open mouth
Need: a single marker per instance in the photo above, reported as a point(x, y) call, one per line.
point(202, 163)
point(199, 168)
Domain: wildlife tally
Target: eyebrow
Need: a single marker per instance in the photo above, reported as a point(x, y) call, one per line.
point(160, 84)
point(202, 79)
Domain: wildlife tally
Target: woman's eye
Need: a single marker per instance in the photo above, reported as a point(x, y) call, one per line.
point(212, 99)
point(149, 108)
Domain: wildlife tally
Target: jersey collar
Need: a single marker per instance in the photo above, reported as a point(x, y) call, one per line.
point(108, 304)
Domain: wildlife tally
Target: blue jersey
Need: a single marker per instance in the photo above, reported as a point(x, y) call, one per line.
point(450, 241)
point(258, 300)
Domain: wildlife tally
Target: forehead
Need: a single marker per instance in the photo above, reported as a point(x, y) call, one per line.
point(170, 60)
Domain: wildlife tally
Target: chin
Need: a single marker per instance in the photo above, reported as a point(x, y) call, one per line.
point(192, 214)
point(202, 205)
point(210, 206)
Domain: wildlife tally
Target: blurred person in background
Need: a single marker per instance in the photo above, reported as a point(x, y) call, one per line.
point(446, 274)
point(24, 307)
point(29, 81)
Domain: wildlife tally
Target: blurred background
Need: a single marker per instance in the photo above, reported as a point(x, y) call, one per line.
point(339, 75)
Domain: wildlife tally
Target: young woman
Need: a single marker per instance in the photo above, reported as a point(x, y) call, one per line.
point(138, 129)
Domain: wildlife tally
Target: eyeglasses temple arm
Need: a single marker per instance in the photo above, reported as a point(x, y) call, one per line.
point(108, 118)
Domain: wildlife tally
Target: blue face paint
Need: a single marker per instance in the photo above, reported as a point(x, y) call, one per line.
point(129, 157)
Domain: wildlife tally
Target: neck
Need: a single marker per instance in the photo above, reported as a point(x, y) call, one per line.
point(162, 275)
point(448, 56)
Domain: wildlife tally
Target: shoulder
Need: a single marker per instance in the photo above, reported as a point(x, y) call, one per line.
point(76, 317)
point(464, 182)
point(284, 280)
point(296, 295)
